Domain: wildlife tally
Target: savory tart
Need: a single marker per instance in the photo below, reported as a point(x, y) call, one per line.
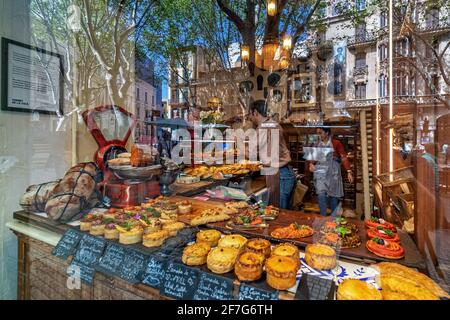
point(400, 279)
point(281, 272)
point(383, 233)
point(195, 254)
point(221, 260)
point(352, 289)
point(169, 211)
point(155, 239)
point(386, 249)
point(339, 222)
point(293, 231)
point(111, 232)
point(287, 250)
point(184, 207)
point(209, 216)
point(261, 246)
point(249, 266)
point(173, 228)
point(319, 256)
point(340, 237)
point(97, 227)
point(150, 224)
point(374, 222)
point(210, 237)
point(112, 213)
point(86, 222)
point(130, 232)
point(232, 241)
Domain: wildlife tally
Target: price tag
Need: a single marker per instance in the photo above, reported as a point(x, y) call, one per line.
point(154, 273)
point(133, 266)
point(248, 292)
point(112, 259)
point(213, 287)
point(67, 244)
point(180, 281)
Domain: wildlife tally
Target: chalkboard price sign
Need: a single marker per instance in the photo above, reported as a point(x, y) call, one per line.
point(133, 266)
point(67, 244)
point(90, 250)
point(154, 273)
point(247, 292)
point(77, 271)
point(213, 287)
point(112, 259)
point(179, 281)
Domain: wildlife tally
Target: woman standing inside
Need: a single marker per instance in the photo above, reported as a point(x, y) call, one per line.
point(327, 171)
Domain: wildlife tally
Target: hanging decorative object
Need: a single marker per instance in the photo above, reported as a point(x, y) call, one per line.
point(269, 50)
point(272, 7)
point(214, 103)
point(245, 53)
point(287, 42)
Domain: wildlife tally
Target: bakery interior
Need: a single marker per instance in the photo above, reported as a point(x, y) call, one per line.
point(118, 179)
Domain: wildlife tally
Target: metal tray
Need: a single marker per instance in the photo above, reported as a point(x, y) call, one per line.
point(136, 173)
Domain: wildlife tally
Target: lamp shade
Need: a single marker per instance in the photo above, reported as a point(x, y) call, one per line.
point(272, 7)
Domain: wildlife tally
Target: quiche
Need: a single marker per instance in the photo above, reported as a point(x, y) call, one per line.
point(155, 239)
point(221, 260)
point(130, 232)
point(195, 254)
point(210, 237)
point(249, 266)
point(281, 272)
point(173, 228)
point(321, 257)
point(232, 241)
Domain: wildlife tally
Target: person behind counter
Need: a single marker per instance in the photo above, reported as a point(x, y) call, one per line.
point(327, 172)
point(282, 184)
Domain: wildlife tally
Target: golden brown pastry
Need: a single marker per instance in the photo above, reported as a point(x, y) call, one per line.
point(184, 207)
point(111, 233)
point(173, 228)
point(392, 295)
point(210, 216)
point(258, 245)
point(281, 272)
point(232, 241)
point(249, 266)
point(287, 250)
point(398, 278)
point(210, 236)
point(155, 239)
point(131, 237)
point(353, 289)
point(221, 260)
point(320, 256)
point(195, 254)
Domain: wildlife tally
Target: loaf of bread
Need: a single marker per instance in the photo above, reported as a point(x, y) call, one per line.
point(75, 193)
point(37, 195)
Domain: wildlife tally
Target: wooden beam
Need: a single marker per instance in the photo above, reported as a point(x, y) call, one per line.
point(365, 164)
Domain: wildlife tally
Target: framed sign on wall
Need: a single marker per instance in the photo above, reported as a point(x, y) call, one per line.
point(31, 79)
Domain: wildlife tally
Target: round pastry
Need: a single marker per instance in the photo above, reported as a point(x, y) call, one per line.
point(211, 237)
point(155, 239)
point(111, 233)
point(383, 233)
point(195, 254)
point(287, 250)
point(352, 289)
point(374, 222)
point(173, 228)
point(320, 256)
point(221, 260)
point(249, 266)
point(184, 207)
point(111, 213)
point(281, 272)
point(232, 241)
point(261, 246)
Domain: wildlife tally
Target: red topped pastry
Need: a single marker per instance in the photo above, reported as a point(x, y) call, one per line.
point(378, 222)
point(383, 233)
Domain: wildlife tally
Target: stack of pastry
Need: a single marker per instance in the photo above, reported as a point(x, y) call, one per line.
point(249, 266)
point(287, 250)
point(281, 272)
point(259, 246)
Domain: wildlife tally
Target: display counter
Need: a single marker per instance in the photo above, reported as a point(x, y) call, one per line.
point(43, 275)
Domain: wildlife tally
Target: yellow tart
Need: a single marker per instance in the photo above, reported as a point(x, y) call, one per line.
point(232, 241)
point(281, 272)
point(210, 237)
point(261, 246)
point(221, 260)
point(320, 256)
point(249, 266)
point(195, 254)
point(352, 289)
point(155, 239)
